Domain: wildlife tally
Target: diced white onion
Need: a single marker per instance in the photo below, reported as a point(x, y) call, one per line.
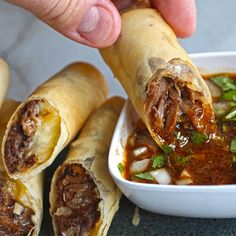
point(139, 151)
point(162, 176)
point(139, 166)
point(18, 209)
point(184, 181)
point(185, 174)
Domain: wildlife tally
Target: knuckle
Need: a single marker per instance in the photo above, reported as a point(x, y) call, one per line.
point(57, 12)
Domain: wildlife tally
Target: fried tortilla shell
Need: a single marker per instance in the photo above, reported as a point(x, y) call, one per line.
point(83, 196)
point(160, 79)
point(4, 79)
point(50, 119)
point(20, 202)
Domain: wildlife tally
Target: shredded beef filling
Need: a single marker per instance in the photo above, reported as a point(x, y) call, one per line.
point(170, 103)
point(18, 223)
point(20, 137)
point(76, 211)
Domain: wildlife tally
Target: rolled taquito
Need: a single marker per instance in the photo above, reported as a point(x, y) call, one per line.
point(20, 202)
point(50, 118)
point(83, 196)
point(4, 79)
point(160, 79)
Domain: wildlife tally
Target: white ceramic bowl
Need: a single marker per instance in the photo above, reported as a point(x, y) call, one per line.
point(189, 201)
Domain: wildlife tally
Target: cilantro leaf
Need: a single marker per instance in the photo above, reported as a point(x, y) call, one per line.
point(182, 160)
point(224, 82)
point(145, 175)
point(158, 161)
point(233, 145)
point(167, 149)
point(231, 115)
point(198, 138)
point(120, 167)
point(230, 95)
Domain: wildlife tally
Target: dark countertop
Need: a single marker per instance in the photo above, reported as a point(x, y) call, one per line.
point(154, 224)
point(151, 224)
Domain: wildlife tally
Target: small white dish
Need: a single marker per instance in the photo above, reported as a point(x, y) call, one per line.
point(188, 201)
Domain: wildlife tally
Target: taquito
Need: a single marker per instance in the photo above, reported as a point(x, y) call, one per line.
point(4, 79)
point(83, 196)
point(50, 118)
point(160, 79)
point(20, 202)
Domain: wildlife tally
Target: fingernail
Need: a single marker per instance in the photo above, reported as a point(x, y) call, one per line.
point(96, 25)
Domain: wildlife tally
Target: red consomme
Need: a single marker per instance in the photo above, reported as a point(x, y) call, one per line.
point(196, 158)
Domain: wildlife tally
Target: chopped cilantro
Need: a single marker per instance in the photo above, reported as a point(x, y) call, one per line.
point(224, 82)
point(230, 95)
point(145, 175)
point(198, 138)
point(120, 167)
point(158, 161)
point(167, 149)
point(231, 115)
point(182, 160)
point(233, 145)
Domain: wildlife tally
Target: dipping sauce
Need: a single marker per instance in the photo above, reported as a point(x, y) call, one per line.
point(197, 159)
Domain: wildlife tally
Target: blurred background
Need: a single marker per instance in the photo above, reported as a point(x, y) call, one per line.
point(35, 52)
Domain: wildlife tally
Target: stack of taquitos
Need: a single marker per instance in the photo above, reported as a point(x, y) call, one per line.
point(50, 118)
point(162, 83)
point(83, 196)
point(20, 202)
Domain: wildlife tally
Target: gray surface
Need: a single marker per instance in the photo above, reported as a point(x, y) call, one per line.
point(34, 52)
point(159, 225)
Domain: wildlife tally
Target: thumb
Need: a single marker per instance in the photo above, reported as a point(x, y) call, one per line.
point(95, 23)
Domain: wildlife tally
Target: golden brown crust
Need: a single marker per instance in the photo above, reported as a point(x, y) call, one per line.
point(4, 79)
point(74, 92)
point(91, 151)
point(147, 45)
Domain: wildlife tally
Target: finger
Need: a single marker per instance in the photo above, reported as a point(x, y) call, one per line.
point(94, 23)
point(180, 15)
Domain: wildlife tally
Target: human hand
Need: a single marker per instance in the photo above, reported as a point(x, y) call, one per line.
point(97, 23)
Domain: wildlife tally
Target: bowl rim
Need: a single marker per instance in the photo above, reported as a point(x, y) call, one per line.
point(157, 187)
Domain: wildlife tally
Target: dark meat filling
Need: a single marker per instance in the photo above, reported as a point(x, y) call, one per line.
point(76, 211)
point(11, 223)
point(171, 103)
point(20, 138)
